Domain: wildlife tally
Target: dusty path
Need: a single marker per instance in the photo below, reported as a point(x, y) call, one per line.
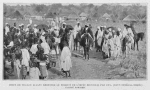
point(82, 69)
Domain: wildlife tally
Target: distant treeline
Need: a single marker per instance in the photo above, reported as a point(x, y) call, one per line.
point(93, 11)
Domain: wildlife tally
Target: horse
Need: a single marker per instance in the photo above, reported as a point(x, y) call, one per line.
point(137, 37)
point(86, 42)
point(77, 39)
point(126, 45)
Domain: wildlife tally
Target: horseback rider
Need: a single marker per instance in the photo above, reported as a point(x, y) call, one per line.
point(77, 28)
point(62, 29)
point(128, 33)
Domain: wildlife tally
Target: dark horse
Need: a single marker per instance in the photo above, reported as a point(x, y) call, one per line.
point(78, 39)
point(125, 42)
point(137, 37)
point(86, 42)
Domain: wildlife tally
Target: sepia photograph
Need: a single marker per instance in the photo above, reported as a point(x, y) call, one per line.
point(74, 41)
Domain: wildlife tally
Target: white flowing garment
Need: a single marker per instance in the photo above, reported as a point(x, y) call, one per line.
point(57, 40)
point(124, 32)
point(34, 73)
point(76, 29)
point(11, 44)
point(6, 30)
point(34, 48)
point(35, 30)
point(25, 57)
point(65, 58)
point(71, 43)
point(100, 34)
point(46, 47)
point(99, 37)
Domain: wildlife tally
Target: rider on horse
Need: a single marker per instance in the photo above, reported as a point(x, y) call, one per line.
point(129, 34)
point(77, 28)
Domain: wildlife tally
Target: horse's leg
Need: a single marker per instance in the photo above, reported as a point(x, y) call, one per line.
point(74, 44)
point(88, 53)
point(79, 46)
point(137, 45)
point(84, 54)
point(134, 44)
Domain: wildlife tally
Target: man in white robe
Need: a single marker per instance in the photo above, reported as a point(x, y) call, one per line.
point(45, 45)
point(35, 29)
point(99, 36)
point(77, 28)
point(34, 48)
point(11, 44)
point(25, 58)
point(27, 29)
point(131, 35)
point(65, 60)
point(7, 29)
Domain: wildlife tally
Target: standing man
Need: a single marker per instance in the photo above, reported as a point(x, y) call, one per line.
point(35, 29)
point(99, 37)
point(15, 25)
point(7, 28)
point(25, 61)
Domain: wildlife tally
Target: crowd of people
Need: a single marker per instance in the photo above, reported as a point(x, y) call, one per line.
point(32, 51)
point(109, 40)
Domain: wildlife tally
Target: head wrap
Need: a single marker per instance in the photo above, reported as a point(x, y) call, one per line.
point(98, 27)
point(119, 29)
point(35, 25)
point(6, 23)
point(64, 23)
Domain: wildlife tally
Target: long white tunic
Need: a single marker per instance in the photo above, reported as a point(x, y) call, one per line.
point(34, 73)
point(46, 47)
point(99, 37)
point(130, 32)
point(34, 48)
point(25, 57)
point(76, 29)
point(35, 30)
point(11, 44)
point(6, 30)
point(124, 33)
point(65, 58)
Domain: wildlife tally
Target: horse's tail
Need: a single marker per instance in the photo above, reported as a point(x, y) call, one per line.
point(124, 45)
